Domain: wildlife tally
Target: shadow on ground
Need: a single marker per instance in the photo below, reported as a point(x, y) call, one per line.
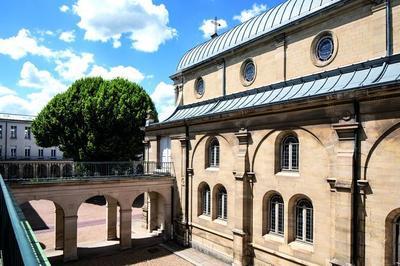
point(33, 217)
point(142, 250)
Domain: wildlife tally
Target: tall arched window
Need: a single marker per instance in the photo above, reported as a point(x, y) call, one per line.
point(213, 153)
point(290, 154)
point(304, 221)
point(206, 200)
point(396, 242)
point(276, 215)
point(222, 198)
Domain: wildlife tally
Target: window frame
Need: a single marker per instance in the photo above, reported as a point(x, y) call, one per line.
point(396, 241)
point(206, 200)
point(292, 166)
point(243, 67)
point(27, 152)
point(27, 133)
point(304, 216)
point(276, 215)
point(222, 204)
point(196, 84)
point(214, 151)
point(13, 132)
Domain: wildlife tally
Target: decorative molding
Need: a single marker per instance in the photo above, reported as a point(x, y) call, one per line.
point(238, 232)
point(346, 131)
point(364, 186)
point(243, 136)
point(339, 185)
point(190, 171)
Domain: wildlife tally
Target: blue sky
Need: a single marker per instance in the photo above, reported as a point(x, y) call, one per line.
point(47, 44)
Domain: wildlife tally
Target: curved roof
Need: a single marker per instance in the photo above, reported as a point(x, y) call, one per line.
point(380, 72)
point(273, 19)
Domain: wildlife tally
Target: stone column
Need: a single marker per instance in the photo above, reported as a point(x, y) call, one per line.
point(59, 230)
point(70, 238)
point(341, 184)
point(125, 225)
point(242, 200)
point(111, 218)
point(152, 205)
point(145, 210)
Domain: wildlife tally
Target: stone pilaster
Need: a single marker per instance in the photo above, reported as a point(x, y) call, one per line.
point(241, 216)
point(111, 218)
point(59, 228)
point(125, 225)
point(70, 238)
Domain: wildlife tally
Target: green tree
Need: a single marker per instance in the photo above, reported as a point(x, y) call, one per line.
point(95, 120)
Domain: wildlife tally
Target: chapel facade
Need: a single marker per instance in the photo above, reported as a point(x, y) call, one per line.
point(285, 140)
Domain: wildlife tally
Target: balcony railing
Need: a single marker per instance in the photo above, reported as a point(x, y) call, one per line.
point(48, 170)
point(31, 158)
point(18, 244)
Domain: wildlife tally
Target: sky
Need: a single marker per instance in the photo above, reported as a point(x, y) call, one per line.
point(45, 45)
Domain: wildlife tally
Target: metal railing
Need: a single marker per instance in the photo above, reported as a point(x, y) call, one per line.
point(18, 243)
point(48, 170)
point(25, 158)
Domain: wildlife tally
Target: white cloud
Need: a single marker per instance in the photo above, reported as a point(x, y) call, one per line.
point(21, 45)
point(208, 27)
point(71, 66)
point(6, 91)
point(129, 73)
point(64, 8)
point(163, 97)
point(249, 13)
point(32, 77)
point(67, 36)
point(145, 23)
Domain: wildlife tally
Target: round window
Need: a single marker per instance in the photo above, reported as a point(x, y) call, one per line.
point(199, 87)
point(325, 48)
point(249, 71)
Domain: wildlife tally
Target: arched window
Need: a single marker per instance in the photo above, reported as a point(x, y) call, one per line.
point(222, 198)
point(304, 221)
point(290, 154)
point(276, 215)
point(396, 240)
point(213, 153)
point(206, 200)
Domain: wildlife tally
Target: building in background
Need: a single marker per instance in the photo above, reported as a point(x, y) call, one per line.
point(286, 139)
point(18, 143)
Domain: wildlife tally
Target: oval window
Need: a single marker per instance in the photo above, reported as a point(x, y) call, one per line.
point(249, 71)
point(199, 87)
point(325, 48)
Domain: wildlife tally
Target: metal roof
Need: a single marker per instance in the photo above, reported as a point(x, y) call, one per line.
point(359, 76)
point(267, 22)
point(5, 116)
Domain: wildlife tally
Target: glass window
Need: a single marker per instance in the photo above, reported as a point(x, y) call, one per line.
point(222, 198)
point(199, 86)
point(13, 152)
point(40, 153)
point(27, 151)
point(1, 131)
point(53, 153)
point(249, 71)
point(213, 153)
point(276, 215)
point(206, 204)
point(325, 48)
point(27, 132)
point(290, 154)
point(396, 237)
point(304, 221)
point(13, 132)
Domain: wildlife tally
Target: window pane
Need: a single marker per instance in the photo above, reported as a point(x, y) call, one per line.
point(299, 223)
point(280, 218)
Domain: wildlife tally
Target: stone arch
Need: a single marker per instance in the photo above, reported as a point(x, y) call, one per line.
point(214, 200)
point(55, 170)
point(266, 209)
point(390, 220)
point(157, 211)
point(208, 137)
point(291, 219)
point(376, 144)
point(283, 132)
point(13, 171)
point(28, 171)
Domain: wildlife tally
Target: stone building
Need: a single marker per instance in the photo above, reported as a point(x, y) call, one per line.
point(17, 141)
point(285, 138)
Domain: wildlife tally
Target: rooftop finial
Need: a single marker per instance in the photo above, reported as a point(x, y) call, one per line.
point(216, 25)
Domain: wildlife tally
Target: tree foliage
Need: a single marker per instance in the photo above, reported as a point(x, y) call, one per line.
point(95, 120)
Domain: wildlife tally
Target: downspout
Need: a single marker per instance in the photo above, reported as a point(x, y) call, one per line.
point(186, 176)
point(6, 139)
point(389, 26)
point(223, 77)
point(356, 191)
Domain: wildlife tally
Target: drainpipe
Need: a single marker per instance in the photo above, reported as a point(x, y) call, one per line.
point(186, 176)
point(356, 191)
point(223, 77)
point(389, 26)
point(6, 139)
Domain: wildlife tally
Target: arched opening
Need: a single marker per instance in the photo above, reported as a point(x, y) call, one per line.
point(41, 171)
point(220, 203)
point(97, 225)
point(55, 170)
point(46, 219)
point(13, 171)
point(273, 214)
point(28, 171)
point(148, 218)
point(204, 199)
point(67, 170)
point(213, 151)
